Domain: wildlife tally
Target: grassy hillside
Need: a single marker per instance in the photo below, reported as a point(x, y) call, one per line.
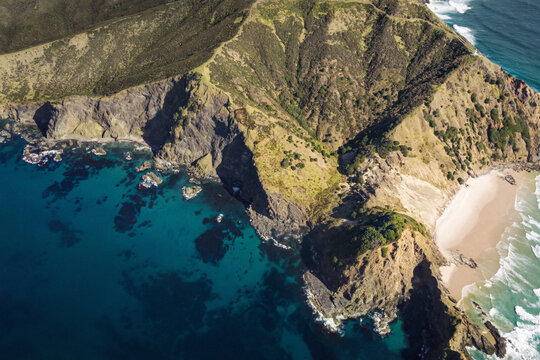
point(22, 23)
point(124, 51)
point(338, 67)
point(315, 74)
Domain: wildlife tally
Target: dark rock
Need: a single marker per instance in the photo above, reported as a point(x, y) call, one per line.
point(510, 179)
point(500, 342)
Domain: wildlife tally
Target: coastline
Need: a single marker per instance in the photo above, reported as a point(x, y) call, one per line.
point(470, 228)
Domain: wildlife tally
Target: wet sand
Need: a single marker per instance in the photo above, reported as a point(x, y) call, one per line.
point(472, 225)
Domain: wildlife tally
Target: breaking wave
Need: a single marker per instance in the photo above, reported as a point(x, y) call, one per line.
point(511, 297)
point(466, 32)
point(446, 9)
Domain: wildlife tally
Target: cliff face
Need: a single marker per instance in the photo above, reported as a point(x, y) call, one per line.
point(350, 122)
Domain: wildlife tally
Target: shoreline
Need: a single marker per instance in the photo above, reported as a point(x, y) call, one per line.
point(470, 228)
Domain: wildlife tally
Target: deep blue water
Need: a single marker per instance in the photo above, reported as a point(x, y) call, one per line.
point(93, 268)
point(505, 31)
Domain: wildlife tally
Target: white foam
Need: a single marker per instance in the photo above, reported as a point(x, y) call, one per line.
point(524, 339)
point(466, 32)
point(460, 6)
point(532, 236)
point(332, 324)
point(517, 274)
point(444, 9)
point(441, 8)
point(537, 192)
point(534, 222)
point(526, 316)
point(536, 251)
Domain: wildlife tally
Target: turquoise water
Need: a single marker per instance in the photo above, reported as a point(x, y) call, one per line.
point(508, 33)
point(505, 31)
point(511, 298)
point(93, 268)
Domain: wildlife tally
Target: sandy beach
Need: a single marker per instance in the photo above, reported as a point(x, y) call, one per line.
point(472, 226)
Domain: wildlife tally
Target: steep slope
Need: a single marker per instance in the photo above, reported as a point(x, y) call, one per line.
point(350, 122)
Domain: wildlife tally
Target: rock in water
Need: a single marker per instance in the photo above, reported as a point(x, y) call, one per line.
point(147, 165)
point(150, 180)
point(5, 134)
point(190, 192)
point(128, 156)
point(99, 151)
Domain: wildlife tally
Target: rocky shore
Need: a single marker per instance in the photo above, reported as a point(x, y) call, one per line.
point(190, 192)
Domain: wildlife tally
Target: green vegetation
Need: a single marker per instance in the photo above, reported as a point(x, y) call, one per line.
point(24, 26)
point(292, 55)
point(126, 43)
point(505, 135)
point(495, 114)
point(378, 227)
point(290, 158)
point(384, 252)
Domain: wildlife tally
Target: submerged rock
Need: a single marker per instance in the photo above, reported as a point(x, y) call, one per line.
point(150, 180)
point(190, 192)
point(219, 218)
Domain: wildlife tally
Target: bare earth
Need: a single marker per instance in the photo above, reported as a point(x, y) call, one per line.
point(473, 224)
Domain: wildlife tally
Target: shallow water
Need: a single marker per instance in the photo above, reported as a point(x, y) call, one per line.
point(511, 298)
point(507, 32)
point(93, 268)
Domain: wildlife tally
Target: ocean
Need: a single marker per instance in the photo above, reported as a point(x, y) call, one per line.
point(507, 32)
point(511, 297)
point(95, 268)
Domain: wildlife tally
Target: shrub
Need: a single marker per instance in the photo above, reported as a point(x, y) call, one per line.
point(480, 109)
point(404, 150)
point(495, 114)
point(384, 252)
